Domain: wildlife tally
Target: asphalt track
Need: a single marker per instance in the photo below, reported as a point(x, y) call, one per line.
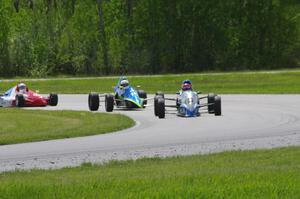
point(247, 122)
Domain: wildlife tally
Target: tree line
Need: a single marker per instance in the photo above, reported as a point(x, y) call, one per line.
point(100, 37)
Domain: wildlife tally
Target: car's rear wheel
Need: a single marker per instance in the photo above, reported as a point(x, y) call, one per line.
point(217, 106)
point(109, 102)
point(155, 105)
point(20, 100)
point(93, 101)
point(143, 95)
point(161, 107)
point(53, 99)
point(211, 101)
point(159, 93)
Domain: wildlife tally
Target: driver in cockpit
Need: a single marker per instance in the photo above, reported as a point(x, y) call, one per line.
point(123, 85)
point(186, 85)
point(22, 88)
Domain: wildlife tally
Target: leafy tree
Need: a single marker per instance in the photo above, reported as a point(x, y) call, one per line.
point(49, 37)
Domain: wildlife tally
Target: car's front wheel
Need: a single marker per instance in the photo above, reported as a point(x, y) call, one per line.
point(93, 101)
point(155, 105)
point(20, 100)
point(109, 102)
point(143, 95)
point(211, 101)
point(53, 99)
point(217, 106)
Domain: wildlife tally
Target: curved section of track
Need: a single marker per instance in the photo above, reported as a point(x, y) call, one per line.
point(248, 122)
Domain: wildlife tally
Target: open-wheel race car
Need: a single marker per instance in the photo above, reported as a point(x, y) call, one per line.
point(187, 103)
point(21, 96)
point(125, 96)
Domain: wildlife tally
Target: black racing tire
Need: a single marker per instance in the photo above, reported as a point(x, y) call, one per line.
point(109, 102)
point(159, 93)
point(155, 104)
point(217, 106)
point(53, 99)
point(143, 95)
point(161, 107)
point(94, 101)
point(20, 100)
point(211, 101)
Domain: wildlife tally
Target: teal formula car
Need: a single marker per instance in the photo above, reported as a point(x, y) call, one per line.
point(125, 96)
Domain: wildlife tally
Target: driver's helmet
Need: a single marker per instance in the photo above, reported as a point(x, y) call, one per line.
point(22, 88)
point(124, 83)
point(186, 85)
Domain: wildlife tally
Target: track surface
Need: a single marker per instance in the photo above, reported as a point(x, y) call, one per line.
point(248, 122)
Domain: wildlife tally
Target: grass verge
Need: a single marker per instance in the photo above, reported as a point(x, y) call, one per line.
point(232, 83)
point(19, 125)
point(251, 174)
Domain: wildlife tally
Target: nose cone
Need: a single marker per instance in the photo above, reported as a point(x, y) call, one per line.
point(36, 101)
point(188, 111)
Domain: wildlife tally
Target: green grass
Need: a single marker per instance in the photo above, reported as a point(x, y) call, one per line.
point(19, 125)
point(234, 83)
point(251, 174)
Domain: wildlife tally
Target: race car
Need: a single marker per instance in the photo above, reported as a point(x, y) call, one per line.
point(125, 96)
point(21, 96)
point(187, 103)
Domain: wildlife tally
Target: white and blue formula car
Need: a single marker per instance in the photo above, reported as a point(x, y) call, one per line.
point(188, 104)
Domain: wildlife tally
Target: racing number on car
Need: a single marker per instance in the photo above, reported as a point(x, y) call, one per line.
point(132, 92)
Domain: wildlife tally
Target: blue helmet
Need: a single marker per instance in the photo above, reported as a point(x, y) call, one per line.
point(186, 85)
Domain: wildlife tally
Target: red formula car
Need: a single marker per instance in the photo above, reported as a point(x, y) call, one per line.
point(21, 96)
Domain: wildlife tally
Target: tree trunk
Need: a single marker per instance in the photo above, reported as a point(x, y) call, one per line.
point(130, 33)
point(102, 38)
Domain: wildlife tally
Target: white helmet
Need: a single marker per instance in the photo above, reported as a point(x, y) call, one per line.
point(22, 87)
point(124, 83)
